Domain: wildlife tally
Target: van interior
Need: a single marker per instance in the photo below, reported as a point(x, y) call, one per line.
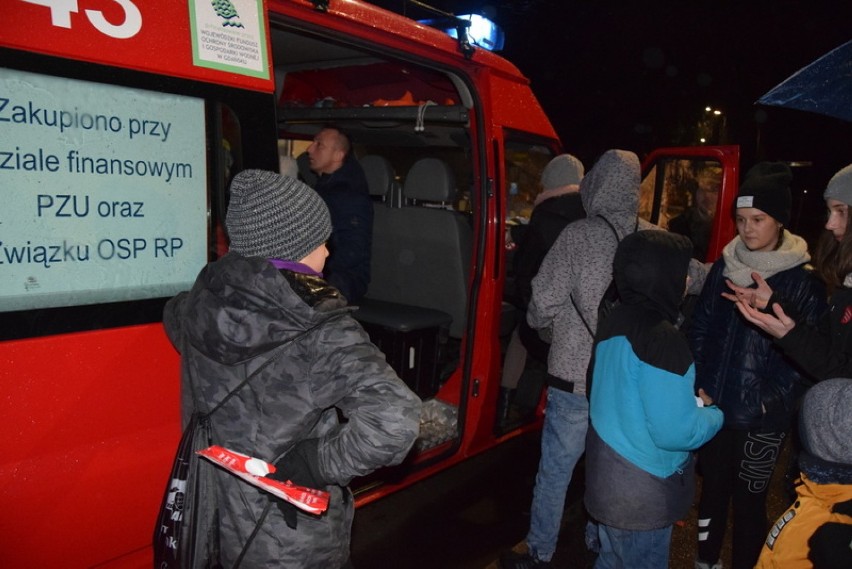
point(413, 130)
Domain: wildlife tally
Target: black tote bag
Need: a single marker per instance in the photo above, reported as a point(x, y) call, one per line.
point(186, 533)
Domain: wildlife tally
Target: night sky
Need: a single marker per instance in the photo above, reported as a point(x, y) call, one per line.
point(638, 75)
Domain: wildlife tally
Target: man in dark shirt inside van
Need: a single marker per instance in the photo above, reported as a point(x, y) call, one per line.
point(343, 186)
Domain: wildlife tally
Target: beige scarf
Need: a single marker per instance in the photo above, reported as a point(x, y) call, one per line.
point(553, 192)
point(740, 262)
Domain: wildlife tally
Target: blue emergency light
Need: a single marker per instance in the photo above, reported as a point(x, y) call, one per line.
point(481, 31)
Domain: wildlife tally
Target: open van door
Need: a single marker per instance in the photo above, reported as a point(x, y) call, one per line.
point(691, 191)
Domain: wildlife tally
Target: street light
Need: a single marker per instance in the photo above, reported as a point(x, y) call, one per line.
point(711, 127)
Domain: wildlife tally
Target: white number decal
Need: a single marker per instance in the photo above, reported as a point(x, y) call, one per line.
point(131, 26)
point(60, 11)
point(60, 16)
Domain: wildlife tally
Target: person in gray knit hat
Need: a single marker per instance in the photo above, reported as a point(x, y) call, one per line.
point(265, 307)
point(816, 531)
point(556, 206)
point(563, 170)
point(275, 216)
point(840, 186)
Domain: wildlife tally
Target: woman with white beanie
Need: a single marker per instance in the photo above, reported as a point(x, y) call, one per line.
point(823, 350)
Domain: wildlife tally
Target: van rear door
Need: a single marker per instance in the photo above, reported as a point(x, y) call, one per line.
point(691, 190)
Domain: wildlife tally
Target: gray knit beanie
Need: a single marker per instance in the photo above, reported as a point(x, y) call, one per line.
point(563, 170)
point(840, 186)
point(825, 427)
point(767, 187)
point(275, 216)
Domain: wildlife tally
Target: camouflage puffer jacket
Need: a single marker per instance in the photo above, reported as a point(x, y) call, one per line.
point(231, 321)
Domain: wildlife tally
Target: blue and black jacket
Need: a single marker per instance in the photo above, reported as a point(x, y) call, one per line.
point(645, 419)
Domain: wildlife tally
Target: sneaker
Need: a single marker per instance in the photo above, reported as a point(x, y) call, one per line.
point(512, 560)
point(705, 565)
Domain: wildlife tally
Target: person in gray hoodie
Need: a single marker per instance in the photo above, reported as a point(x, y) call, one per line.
point(566, 293)
point(265, 306)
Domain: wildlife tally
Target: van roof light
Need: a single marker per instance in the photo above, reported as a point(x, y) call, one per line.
point(455, 26)
point(483, 32)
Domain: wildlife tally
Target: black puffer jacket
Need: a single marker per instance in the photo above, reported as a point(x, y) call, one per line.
point(825, 350)
point(738, 365)
point(548, 220)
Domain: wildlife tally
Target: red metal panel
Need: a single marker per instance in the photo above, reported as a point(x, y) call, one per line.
point(516, 107)
point(162, 43)
point(88, 419)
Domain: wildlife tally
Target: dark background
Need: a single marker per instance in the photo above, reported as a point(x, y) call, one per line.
point(638, 75)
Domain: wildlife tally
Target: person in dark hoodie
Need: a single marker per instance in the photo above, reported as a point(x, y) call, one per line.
point(645, 418)
point(267, 299)
point(343, 186)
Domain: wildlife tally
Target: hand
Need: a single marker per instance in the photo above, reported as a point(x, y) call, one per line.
point(288, 510)
point(777, 325)
point(754, 297)
point(705, 398)
point(299, 466)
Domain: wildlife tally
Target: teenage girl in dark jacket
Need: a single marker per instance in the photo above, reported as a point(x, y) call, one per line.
point(743, 372)
point(824, 350)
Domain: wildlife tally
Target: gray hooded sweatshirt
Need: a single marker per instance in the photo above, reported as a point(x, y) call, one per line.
point(579, 265)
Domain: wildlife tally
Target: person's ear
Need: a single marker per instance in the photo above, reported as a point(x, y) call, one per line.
point(340, 154)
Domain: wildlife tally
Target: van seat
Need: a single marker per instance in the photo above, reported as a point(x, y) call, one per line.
point(381, 178)
point(421, 257)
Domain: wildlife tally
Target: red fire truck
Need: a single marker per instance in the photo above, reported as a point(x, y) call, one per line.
point(121, 123)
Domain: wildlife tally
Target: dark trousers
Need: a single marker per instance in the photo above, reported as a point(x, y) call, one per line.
point(736, 467)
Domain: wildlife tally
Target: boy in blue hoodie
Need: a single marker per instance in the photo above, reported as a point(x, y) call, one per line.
point(645, 418)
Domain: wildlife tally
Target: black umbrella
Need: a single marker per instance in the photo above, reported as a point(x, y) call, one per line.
point(823, 87)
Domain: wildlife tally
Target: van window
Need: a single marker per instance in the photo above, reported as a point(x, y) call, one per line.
point(524, 162)
point(682, 196)
point(111, 192)
point(119, 190)
point(525, 159)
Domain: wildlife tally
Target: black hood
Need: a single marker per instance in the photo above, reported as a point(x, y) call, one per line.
point(650, 269)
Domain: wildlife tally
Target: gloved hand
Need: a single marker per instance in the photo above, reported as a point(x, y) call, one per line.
point(299, 466)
